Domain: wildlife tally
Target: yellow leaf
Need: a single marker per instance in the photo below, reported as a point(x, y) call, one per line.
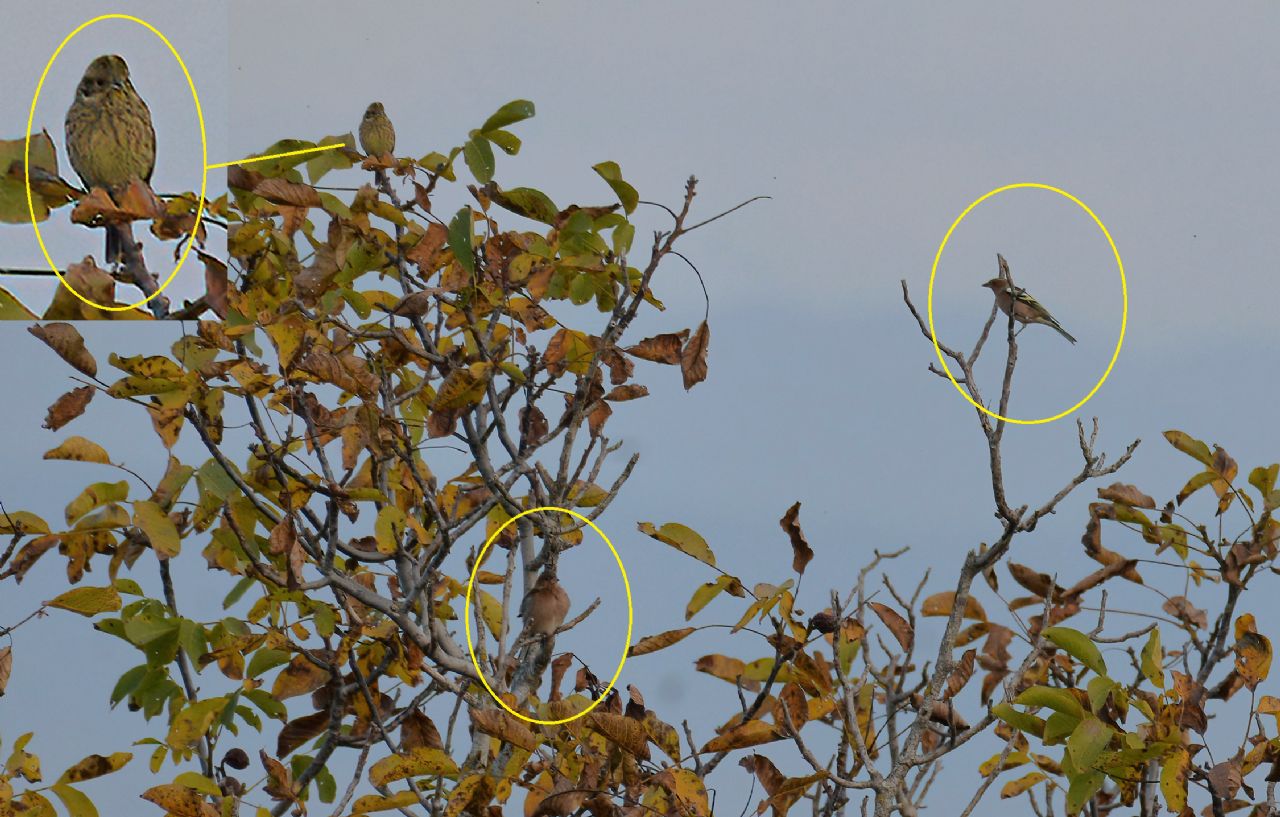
point(749, 733)
point(660, 641)
point(158, 527)
point(191, 723)
point(95, 766)
point(1015, 787)
point(682, 538)
point(376, 802)
point(420, 761)
point(180, 801)
point(79, 449)
point(88, 601)
point(1173, 779)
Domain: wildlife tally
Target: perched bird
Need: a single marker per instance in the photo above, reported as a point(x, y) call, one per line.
point(545, 605)
point(377, 135)
point(110, 140)
point(1025, 308)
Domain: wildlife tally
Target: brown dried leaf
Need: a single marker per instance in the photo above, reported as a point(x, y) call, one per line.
point(941, 604)
point(660, 641)
point(693, 360)
point(665, 348)
point(68, 407)
point(897, 624)
point(1181, 608)
point(282, 191)
point(418, 731)
point(1127, 495)
point(64, 339)
point(802, 554)
point(300, 730)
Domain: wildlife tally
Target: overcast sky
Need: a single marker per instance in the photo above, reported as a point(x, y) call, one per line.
point(871, 127)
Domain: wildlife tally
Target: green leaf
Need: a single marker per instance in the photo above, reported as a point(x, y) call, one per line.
point(1053, 698)
point(611, 173)
point(1264, 479)
point(479, 157)
point(1153, 658)
point(127, 683)
point(623, 235)
point(461, 240)
point(197, 781)
point(238, 591)
point(508, 141)
point(321, 163)
point(1083, 787)
point(158, 527)
point(144, 629)
point(127, 586)
point(1088, 741)
point(514, 111)
point(527, 202)
point(1022, 721)
point(1078, 645)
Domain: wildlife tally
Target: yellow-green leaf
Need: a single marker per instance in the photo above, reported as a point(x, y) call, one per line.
point(158, 527)
point(1153, 659)
point(682, 538)
point(78, 449)
point(87, 601)
point(1078, 645)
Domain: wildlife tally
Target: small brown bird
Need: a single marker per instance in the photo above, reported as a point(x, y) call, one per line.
point(110, 140)
point(545, 605)
point(1025, 308)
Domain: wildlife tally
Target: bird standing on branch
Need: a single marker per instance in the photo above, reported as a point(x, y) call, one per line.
point(377, 134)
point(1025, 308)
point(110, 140)
point(545, 605)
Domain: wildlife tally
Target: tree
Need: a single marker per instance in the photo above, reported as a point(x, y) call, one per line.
point(337, 524)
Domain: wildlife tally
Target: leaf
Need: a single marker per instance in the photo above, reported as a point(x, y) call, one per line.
point(1059, 700)
point(376, 802)
point(300, 677)
point(158, 527)
point(64, 339)
point(95, 496)
point(515, 111)
point(75, 801)
point(525, 201)
point(941, 604)
point(1153, 658)
point(88, 601)
point(95, 766)
point(896, 623)
point(1078, 645)
point(504, 727)
point(6, 667)
point(300, 730)
point(802, 554)
point(1253, 658)
point(68, 407)
point(388, 528)
point(180, 801)
point(705, 593)
point(648, 644)
point(1173, 779)
point(192, 723)
point(417, 730)
point(1022, 721)
point(1087, 742)
point(1190, 446)
point(682, 538)
point(743, 735)
point(478, 155)
point(78, 449)
point(415, 763)
point(461, 240)
point(1126, 495)
point(666, 348)
point(1015, 787)
point(1083, 787)
point(612, 174)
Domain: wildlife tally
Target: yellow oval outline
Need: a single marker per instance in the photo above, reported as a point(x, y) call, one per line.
point(1124, 293)
point(466, 615)
point(204, 159)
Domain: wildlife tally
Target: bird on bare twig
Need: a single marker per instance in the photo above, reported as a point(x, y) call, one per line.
point(377, 134)
point(1025, 308)
point(110, 140)
point(545, 605)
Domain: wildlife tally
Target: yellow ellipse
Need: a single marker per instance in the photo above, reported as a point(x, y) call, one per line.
point(466, 617)
point(1124, 293)
point(204, 159)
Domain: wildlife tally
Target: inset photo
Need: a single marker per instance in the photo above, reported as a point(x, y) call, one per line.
point(107, 210)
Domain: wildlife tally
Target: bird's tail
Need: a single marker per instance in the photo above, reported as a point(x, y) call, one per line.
point(1062, 331)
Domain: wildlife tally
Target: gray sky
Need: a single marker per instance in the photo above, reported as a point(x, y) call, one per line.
point(871, 127)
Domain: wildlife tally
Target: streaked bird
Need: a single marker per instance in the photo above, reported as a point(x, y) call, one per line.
point(377, 135)
point(545, 605)
point(1025, 308)
point(110, 139)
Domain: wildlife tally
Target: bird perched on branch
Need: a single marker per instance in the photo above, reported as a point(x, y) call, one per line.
point(377, 134)
point(1025, 308)
point(110, 140)
point(545, 605)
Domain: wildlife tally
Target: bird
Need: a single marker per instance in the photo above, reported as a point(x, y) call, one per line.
point(545, 605)
point(110, 139)
point(1025, 308)
point(377, 134)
